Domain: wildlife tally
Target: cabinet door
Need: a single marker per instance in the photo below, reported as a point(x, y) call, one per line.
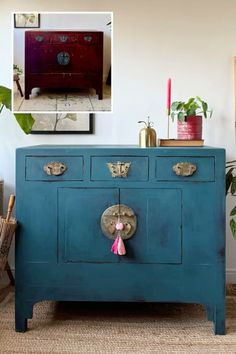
point(158, 235)
point(79, 214)
point(58, 58)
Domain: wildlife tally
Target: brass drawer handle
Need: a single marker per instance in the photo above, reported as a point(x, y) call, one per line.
point(39, 38)
point(119, 169)
point(55, 168)
point(63, 38)
point(184, 169)
point(88, 38)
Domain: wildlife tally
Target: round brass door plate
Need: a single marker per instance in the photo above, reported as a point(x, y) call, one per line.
point(118, 213)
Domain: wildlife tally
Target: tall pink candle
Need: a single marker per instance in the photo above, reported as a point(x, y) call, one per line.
point(168, 96)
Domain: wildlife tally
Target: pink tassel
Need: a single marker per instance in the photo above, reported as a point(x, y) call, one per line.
point(121, 247)
point(114, 247)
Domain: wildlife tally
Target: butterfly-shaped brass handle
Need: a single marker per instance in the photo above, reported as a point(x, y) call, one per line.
point(119, 169)
point(184, 169)
point(55, 168)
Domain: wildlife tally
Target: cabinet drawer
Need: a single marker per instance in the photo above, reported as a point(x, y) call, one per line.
point(89, 38)
point(59, 38)
point(107, 168)
point(38, 38)
point(54, 168)
point(205, 168)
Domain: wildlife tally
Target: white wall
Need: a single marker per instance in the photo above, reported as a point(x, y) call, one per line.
point(69, 21)
point(193, 42)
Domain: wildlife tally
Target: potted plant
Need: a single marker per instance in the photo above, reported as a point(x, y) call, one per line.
point(25, 120)
point(189, 117)
point(231, 190)
point(17, 70)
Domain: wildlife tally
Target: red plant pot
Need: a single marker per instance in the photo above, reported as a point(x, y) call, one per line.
point(190, 128)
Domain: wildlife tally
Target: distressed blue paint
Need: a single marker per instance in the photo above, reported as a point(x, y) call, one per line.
point(176, 254)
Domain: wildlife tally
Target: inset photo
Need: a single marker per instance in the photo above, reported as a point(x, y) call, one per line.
point(62, 62)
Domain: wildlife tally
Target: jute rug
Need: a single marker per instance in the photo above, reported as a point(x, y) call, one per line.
point(107, 328)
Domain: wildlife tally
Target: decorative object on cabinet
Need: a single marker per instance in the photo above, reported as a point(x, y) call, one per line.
point(25, 120)
point(175, 255)
point(189, 122)
point(231, 189)
point(17, 70)
point(168, 106)
point(147, 135)
point(180, 142)
point(26, 20)
point(7, 229)
point(63, 123)
point(64, 59)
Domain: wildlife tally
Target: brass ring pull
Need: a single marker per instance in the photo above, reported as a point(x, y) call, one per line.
point(55, 168)
point(184, 169)
point(119, 169)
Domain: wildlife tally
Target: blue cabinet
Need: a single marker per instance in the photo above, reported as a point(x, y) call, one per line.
point(176, 253)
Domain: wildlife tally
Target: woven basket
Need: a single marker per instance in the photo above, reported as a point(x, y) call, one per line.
point(7, 229)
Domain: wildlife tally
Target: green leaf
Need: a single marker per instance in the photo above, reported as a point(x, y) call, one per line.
point(233, 211)
point(233, 227)
point(180, 106)
point(191, 112)
point(25, 121)
point(233, 185)
point(174, 105)
point(228, 179)
point(181, 116)
point(204, 106)
point(190, 102)
point(233, 161)
point(199, 99)
point(5, 96)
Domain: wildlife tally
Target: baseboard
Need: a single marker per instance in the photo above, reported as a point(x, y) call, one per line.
point(231, 276)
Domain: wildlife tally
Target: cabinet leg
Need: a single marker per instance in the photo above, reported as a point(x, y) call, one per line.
point(99, 91)
point(219, 319)
point(27, 92)
point(23, 311)
point(20, 324)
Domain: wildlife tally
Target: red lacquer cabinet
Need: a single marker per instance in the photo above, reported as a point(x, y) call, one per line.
point(64, 60)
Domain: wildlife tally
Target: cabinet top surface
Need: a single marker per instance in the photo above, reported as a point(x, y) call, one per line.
point(117, 147)
point(63, 31)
